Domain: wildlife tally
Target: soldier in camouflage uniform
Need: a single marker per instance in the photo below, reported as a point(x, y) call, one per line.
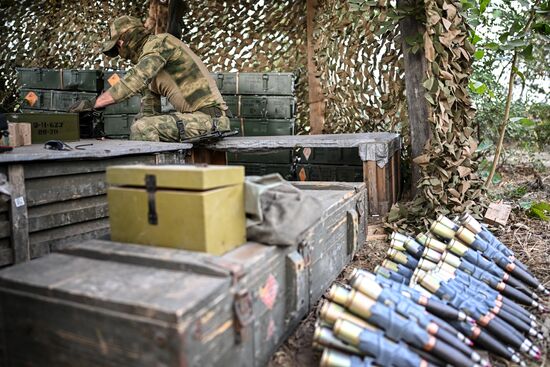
point(164, 66)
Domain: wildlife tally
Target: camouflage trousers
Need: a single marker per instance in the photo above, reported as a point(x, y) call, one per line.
point(164, 128)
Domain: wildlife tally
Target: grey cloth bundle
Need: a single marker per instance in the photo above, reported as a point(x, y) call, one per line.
point(278, 213)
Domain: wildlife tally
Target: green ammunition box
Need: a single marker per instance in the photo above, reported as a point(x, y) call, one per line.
point(261, 169)
point(321, 172)
point(49, 125)
point(232, 104)
point(263, 127)
point(265, 107)
point(281, 84)
point(112, 77)
point(235, 124)
point(277, 156)
point(51, 100)
point(117, 125)
point(39, 78)
point(340, 156)
point(82, 80)
point(36, 99)
point(61, 79)
point(63, 100)
point(131, 105)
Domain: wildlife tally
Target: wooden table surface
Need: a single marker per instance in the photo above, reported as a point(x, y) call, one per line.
point(98, 149)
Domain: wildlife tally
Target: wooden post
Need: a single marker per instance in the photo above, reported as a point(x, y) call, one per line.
point(316, 97)
point(175, 15)
point(165, 16)
point(202, 155)
point(370, 176)
point(415, 70)
point(18, 215)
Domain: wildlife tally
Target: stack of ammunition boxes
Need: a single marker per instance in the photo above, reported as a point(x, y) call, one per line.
point(46, 95)
point(118, 118)
point(328, 164)
point(262, 104)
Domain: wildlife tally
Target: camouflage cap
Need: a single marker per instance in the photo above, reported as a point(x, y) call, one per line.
point(118, 27)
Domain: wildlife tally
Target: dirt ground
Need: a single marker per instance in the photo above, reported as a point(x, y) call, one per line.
point(524, 180)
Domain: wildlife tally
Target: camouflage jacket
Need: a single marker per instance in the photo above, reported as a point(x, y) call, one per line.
point(169, 68)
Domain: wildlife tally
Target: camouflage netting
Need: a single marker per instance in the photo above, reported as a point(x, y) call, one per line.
point(450, 183)
point(357, 53)
point(362, 72)
point(363, 93)
point(56, 34)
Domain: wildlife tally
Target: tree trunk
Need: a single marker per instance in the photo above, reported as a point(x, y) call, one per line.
point(504, 124)
point(415, 71)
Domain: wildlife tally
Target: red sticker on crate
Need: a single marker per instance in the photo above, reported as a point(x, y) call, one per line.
point(113, 79)
point(307, 153)
point(31, 98)
point(268, 293)
point(302, 174)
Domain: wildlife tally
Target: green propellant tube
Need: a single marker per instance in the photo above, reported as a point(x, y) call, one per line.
point(447, 229)
point(482, 231)
point(480, 313)
point(384, 351)
point(334, 358)
point(405, 243)
point(324, 336)
point(409, 309)
point(506, 311)
point(402, 258)
point(432, 304)
point(395, 326)
point(390, 275)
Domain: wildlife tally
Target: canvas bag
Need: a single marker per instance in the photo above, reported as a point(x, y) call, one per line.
point(277, 212)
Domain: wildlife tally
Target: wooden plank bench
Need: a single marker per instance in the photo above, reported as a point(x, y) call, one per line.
point(379, 152)
point(59, 196)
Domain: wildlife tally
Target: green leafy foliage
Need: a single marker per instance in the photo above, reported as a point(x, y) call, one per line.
point(540, 210)
point(500, 30)
point(483, 171)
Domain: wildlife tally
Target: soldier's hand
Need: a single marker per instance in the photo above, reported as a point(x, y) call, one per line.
point(85, 105)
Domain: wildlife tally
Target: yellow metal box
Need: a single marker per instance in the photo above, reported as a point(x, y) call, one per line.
point(198, 208)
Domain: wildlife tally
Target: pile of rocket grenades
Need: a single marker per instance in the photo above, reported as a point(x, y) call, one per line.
point(433, 300)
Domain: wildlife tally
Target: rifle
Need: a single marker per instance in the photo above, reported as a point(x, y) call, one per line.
point(210, 138)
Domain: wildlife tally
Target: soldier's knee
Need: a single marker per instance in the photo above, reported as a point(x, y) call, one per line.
point(140, 130)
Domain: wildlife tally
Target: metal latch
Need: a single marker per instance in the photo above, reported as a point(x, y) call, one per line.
point(265, 80)
point(264, 107)
point(242, 307)
point(151, 188)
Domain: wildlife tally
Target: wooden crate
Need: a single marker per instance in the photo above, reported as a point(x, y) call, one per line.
point(379, 153)
point(59, 196)
point(102, 303)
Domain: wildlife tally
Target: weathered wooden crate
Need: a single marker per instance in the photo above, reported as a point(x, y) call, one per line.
point(59, 196)
point(101, 303)
point(378, 152)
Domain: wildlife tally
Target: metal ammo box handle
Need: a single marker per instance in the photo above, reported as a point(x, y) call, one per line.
point(265, 79)
point(264, 107)
point(75, 77)
point(220, 81)
point(151, 188)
